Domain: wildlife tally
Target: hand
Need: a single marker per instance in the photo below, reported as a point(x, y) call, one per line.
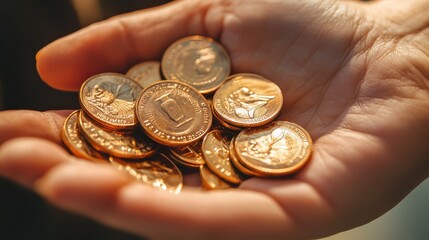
point(354, 75)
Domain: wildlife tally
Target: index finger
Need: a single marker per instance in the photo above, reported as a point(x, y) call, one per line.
point(115, 44)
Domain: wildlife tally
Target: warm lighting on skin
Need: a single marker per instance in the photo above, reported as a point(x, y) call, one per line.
point(88, 11)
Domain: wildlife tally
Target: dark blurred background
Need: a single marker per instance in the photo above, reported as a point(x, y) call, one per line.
point(26, 27)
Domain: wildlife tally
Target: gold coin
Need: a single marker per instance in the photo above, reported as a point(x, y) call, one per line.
point(123, 145)
point(157, 171)
point(276, 149)
point(173, 113)
point(211, 181)
point(76, 143)
point(109, 99)
point(179, 162)
point(247, 100)
point(216, 153)
point(198, 61)
point(145, 73)
point(218, 121)
point(237, 164)
point(191, 155)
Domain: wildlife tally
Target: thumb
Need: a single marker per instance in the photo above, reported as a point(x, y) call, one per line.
point(115, 44)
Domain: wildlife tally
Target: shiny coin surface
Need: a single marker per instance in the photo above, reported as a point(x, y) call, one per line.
point(173, 113)
point(238, 165)
point(76, 143)
point(211, 181)
point(219, 122)
point(216, 153)
point(275, 149)
point(157, 171)
point(109, 99)
point(145, 73)
point(191, 155)
point(123, 145)
point(247, 100)
point(198, 61)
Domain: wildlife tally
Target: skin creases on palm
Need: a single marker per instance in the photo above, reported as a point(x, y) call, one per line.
point(348, 75)
point(353, 92)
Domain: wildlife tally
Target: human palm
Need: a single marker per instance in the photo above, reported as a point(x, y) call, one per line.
point(352, 76)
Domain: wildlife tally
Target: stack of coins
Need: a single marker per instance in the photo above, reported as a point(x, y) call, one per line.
point(200, 118)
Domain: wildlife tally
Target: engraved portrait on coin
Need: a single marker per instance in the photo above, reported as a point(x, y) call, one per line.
point(109, 99)
point(247, 100)
point(245, 103)
point(173, 113)
point(276, 148)
point(198, 61)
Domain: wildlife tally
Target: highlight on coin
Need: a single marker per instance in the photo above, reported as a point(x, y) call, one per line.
point(173, 113)
point(155, 130)
point(247, 100)
point(109, 99)
point(198, 61)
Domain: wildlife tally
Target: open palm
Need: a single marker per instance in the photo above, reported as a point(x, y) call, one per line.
point(351, 75)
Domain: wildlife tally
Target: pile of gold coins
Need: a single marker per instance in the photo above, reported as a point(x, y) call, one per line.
point(200, 118)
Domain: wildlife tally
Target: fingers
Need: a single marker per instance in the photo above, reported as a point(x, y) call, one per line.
point(302, 201)
point(150, 212)
point(24, 160)
point(115, 44)
point(20, 123)
point(107, 195)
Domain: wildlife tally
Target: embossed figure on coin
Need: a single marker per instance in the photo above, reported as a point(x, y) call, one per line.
point(247, 104)
point(270, 149)
point(111, 98)
point(173, 109)
point(206, 60)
